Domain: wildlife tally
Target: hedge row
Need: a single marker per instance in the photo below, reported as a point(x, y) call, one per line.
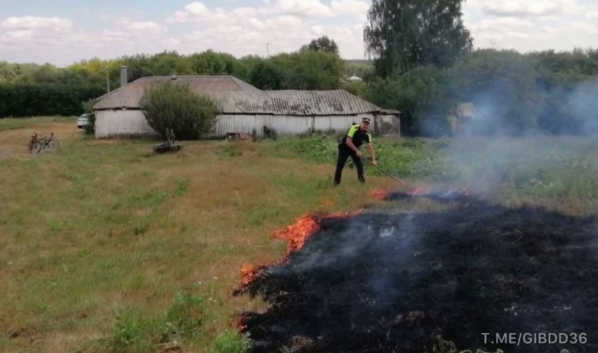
point(26, 100)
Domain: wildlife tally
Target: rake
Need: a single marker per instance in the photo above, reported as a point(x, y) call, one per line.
point(414, 192)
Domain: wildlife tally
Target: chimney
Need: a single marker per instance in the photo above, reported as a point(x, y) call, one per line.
point(123, 76)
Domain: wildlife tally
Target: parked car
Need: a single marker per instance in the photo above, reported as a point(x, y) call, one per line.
point(83, 121)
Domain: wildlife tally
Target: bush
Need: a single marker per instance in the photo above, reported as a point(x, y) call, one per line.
point(175, 106)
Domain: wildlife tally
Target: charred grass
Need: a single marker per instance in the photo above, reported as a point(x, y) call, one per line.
point(107, 247)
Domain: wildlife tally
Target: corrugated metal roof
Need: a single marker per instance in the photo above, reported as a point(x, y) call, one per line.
point(130, 95)
point(333, 102)
point(237, 97)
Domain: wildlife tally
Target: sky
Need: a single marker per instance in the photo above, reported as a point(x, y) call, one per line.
point(62, 32)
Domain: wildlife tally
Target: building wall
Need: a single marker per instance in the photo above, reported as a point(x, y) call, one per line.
point(127, 123)
point(121, 123)
point(294, 125)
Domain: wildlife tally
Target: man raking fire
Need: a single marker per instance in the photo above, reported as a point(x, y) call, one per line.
point(350, 147)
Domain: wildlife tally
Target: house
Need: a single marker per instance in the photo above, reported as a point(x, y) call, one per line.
point(244, 108)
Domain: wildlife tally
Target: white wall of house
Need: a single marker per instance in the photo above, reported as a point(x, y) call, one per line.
point(121, 123)
point(126, 123)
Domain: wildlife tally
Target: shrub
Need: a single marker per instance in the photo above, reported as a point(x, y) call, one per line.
point(175, 106)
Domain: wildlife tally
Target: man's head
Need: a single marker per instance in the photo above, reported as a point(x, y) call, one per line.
point(365, 124)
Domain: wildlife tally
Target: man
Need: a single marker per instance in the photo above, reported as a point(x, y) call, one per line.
point(349, 147)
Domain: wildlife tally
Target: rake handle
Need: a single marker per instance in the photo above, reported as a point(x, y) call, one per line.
point(385, 172)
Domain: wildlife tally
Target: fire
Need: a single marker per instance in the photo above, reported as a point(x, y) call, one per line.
point(417, 191)
point(295, 235)
point(379, 194)
point(248, 273)
point(239, 323)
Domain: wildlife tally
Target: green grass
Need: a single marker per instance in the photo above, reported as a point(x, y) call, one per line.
point(22, 123)
point(99, 239)
point(106, 247)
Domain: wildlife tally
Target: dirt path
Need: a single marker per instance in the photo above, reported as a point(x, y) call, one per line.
point(13, 143)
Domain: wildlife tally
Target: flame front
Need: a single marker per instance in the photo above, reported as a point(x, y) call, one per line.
point(295, 235)
point(379, 194)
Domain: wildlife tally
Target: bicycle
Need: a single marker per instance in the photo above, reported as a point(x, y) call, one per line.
point(32, 143)
point(44, 142)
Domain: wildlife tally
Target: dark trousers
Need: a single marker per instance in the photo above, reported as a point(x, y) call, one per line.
point(343, 154)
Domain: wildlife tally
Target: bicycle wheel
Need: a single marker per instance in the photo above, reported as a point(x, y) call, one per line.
point(39, 146)
point(54, 144)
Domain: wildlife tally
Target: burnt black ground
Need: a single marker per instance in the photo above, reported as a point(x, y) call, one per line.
point(382, 282)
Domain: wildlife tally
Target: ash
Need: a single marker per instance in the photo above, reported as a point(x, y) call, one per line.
point(393, 282)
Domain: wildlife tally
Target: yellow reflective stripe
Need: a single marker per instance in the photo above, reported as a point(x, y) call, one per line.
point(369, 137)
point(352, 131)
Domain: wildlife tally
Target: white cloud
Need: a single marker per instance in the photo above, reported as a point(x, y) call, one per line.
point(286, 25)
point(301, 8)
point(37, 23)
point(352, 7)
point(518, 8)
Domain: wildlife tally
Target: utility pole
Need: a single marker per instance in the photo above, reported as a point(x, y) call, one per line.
point(107, 80)
point(268, 49)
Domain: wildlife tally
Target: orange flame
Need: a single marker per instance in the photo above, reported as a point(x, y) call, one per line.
point(295, 235)
point(379, 194)
point(417, 191)
point(239, 323)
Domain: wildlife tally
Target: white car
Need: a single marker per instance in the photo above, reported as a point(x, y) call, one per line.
point(82, 121)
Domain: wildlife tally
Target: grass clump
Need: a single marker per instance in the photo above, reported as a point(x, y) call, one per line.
point(182, 320)
point(230, 342)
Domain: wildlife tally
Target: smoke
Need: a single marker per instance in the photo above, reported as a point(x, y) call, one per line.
point(358, 238)
point(582, 104)
point(538, 141)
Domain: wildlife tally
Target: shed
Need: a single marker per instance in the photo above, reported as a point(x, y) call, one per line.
point(244, 109)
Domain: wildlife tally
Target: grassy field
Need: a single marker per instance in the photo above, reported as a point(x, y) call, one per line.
point(106, 247)
point(100, 239)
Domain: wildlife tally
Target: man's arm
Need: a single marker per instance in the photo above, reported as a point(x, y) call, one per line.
point(349, 142)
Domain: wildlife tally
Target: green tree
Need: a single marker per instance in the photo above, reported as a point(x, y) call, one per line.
point(315, 70)
point(422, 96)
point(267, 76)
point(404, 34)
point(322, 44)
point(175, 106)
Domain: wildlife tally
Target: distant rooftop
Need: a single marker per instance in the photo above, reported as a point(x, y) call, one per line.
point(238, 97)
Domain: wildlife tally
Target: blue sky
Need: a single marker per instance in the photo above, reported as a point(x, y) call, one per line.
point(62, 32)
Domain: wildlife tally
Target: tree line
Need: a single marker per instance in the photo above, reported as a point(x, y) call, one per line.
point(423, 64)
